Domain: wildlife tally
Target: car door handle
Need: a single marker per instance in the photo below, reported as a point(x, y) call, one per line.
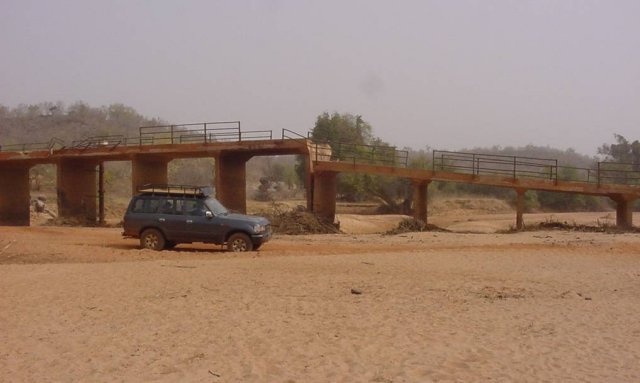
point(161, 219)
point(189, 221)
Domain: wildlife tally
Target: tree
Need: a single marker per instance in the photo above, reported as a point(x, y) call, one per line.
point(337, 129)
point(622, 151)
point(345, 128)
point(347, 134)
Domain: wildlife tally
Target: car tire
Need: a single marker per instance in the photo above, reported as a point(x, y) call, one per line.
point(239, 242)
point(152, 239)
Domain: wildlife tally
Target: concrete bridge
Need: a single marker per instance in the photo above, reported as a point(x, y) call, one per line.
point(80, 185)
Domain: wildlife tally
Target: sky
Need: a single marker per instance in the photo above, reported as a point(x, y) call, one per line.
point(447, 74)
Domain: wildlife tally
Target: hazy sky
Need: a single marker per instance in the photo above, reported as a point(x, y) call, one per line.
point(445, 74)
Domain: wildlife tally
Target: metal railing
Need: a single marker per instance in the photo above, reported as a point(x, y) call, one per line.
point(497, 165)
point(111, 141)
point(52, 144)
point(205, 132)
point(291, 135)
point(515, 167)
point(360, 153)
point(476, 164)
point(618, 173)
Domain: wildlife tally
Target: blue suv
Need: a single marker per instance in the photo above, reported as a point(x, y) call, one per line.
point(162, 216)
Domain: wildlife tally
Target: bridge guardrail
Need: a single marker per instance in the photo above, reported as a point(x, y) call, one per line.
point(459, 162)
point(191, 133)
point(291, 135)
point(528, 167)
point(492, 164)
point(618, 173)
point(53, 144)
point(360, 153)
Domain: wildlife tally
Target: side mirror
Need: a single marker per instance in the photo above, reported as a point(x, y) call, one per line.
point(208, 214)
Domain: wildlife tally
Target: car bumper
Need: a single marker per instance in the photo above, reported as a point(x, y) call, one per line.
point(258, 239)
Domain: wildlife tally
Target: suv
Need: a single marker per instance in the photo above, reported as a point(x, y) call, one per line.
point(163, 216)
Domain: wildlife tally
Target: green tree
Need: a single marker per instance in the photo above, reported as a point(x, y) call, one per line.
point(348, 135)
point(342, 128)
point(622, 151)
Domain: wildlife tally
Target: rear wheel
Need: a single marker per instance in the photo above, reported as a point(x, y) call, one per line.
point(239, 242)
point(152, 239)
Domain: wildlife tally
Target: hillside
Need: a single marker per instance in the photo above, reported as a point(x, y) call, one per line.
point(41, 122)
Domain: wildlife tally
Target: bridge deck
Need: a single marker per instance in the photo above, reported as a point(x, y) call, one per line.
point(510, 182)
point(185, 150)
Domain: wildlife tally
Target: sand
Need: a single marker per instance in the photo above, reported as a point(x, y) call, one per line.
point(83, 304)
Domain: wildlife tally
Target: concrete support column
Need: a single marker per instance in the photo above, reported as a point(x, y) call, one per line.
point(420, 198)
point(77, 190)
point(624, 210)
point(14, 196)
point(231, 183)
point(520, 208)
point(101, 193)
point(148, 170)
point(324, 195)
point(309, 190)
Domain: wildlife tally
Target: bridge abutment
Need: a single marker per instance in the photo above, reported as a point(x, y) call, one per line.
point(420, 199)
point(77, 190)
point(148, 170)
point(14, 196)
point(231, 183)
point(324, 195)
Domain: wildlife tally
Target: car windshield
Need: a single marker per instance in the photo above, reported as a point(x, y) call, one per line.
point(216, 207)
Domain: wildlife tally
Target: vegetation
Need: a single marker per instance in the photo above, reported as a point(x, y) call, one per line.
point(622, 151)
point(348, 136)
point(41, 122)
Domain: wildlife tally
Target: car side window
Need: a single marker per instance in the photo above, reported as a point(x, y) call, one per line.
point(151, 205)
point(180, 203)
point(145, 205)
point(194, 207)
point(138, 206)
point(166, 206)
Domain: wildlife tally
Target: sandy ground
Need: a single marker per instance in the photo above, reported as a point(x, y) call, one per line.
point(83, 304)
point(476, 223)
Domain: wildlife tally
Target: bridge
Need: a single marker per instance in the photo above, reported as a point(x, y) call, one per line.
point(80, 169)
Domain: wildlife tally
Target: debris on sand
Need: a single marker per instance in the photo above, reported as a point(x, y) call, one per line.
point(298, 221)
point(356, 291)
point(411, 225)
point(551, 224)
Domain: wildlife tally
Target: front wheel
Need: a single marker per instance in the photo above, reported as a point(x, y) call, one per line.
point(239, 242)
point(152, 239)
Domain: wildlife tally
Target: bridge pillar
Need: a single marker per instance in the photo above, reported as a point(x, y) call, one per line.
point(231, 183)
point(14, 196)
point(520, 194)
point(148, 170)
point(420, 198)
point(77, 190)
point(324, 195)
point(624, 210)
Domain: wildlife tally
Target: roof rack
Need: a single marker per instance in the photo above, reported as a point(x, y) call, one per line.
point(184, 190)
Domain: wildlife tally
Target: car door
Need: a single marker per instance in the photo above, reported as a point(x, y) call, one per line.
point(201, 227)
point(170, 219)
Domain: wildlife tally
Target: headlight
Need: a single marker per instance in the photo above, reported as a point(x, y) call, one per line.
point(259, 228)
